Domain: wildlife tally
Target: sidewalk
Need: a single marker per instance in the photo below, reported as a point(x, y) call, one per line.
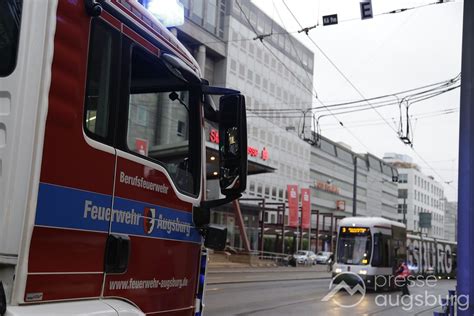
point(275, 269)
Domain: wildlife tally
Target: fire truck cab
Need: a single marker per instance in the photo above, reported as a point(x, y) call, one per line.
point(102, 161)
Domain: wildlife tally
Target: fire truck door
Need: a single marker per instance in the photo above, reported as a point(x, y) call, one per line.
point(152, 255)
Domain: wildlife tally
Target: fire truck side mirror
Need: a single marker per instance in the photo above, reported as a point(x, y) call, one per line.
point(232, 144)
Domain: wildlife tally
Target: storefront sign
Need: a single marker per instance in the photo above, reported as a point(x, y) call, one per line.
point(251, 151)
point(264, 154)
point(327, 187)
point(340, 205)
point(305, 208)
point(141, 146)
point(293, 205)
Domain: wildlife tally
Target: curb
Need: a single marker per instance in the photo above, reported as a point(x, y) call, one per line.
point(265, 270)
point(262, 281)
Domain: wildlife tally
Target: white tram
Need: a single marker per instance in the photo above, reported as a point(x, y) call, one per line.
point(372, 248)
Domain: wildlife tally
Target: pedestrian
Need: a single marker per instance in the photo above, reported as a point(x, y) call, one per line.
point(330, 262)
point(401, 276)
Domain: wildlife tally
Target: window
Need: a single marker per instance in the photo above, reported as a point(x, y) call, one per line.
point(327, 147)
point(402, 207)
point(181, 129)
point(344, 155)
point(402, 178)
point(197, 9)
point(166, 134)
point(242, 70)
point(251, 49)
point(266, 59)
point(10, 18)
point(103, 55)
point(257, 79)
point(249, 75)
point(235, 37)
point(211, 16)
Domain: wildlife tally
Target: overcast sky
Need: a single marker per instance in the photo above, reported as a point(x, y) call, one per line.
point(384, 55)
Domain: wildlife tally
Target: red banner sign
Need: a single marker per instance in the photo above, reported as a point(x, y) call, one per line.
point(141, 146)
point(293, 205)
point(305, 208)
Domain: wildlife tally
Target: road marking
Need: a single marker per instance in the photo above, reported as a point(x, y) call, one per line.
point(213, 289)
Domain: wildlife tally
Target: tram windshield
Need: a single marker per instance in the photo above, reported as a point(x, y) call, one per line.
point(354, 246)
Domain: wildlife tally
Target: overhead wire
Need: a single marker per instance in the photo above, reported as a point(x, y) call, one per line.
point(286, 67)
point(289, 33)
point(399, 95)
point(291, 72)
point(358, 91)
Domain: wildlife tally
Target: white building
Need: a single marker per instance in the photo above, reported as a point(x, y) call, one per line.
point(418, 193)
point(451, 221)
point(275, 73)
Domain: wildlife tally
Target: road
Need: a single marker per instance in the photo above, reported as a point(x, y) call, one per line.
point(303, 297)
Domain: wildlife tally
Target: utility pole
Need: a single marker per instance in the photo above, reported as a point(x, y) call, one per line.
point(354, 197)
point(465, 275)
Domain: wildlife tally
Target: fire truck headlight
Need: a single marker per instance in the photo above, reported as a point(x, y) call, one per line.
point(338, 270)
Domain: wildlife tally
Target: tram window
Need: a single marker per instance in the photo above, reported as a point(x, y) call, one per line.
point(354, 247)
point(10, 16)
point(382, 251)
point(162, 112)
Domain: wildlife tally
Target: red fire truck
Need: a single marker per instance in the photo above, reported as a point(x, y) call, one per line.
point(102, 161)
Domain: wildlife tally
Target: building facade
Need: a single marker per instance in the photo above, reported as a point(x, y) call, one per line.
point(220, 35)
point(332, 185)
point(451, 221)
point(334, 163)
point(418, 193)
point(276, 76)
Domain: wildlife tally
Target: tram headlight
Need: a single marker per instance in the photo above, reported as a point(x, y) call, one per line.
point(363, 271)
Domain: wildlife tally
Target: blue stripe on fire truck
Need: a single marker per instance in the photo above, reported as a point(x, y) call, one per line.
point(64, 207)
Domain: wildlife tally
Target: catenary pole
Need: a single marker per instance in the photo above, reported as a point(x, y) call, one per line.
point(465, 274)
